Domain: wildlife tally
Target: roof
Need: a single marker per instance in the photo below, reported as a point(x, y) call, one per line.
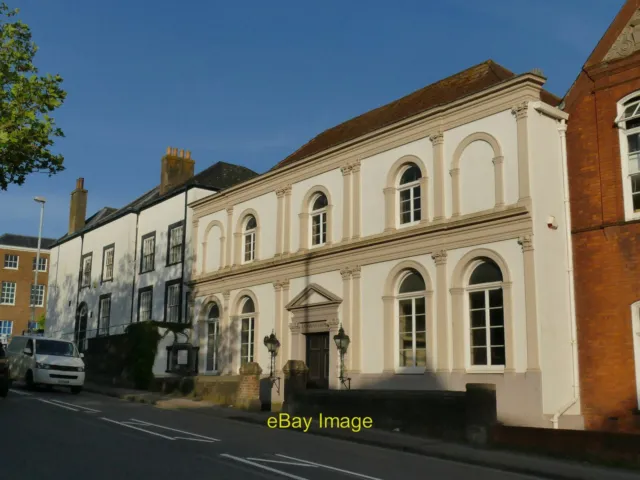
point(469, 81)
point(217, 177)
point(24, 241)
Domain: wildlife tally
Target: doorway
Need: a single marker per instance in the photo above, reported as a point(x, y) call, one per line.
point(80, 333)
point(318, 360)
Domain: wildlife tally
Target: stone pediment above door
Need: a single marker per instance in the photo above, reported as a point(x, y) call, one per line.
point(313, 295)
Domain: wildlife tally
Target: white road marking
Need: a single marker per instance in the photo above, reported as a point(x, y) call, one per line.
point(56, 404)
point(281, 462)
point(329, 468)
point(89, 410)
point(136, 428)
point(195, 439)
point(264, 467)
point(148, 424)
point(20, 392)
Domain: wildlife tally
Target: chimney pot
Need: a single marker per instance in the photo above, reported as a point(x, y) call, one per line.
point(80, 184)
point(174, 152)
point(188, 154)
point(181, 154)
point(168, 150)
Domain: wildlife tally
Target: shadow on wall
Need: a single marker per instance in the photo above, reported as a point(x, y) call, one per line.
point(624, 420)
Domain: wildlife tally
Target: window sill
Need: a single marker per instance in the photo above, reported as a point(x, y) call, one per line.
point(410, 224)
point(7, 304)
point(486, 370)
point(106, 280)
point(147, 271)
point(174, 263)
point(410, 370)
point(11, 268)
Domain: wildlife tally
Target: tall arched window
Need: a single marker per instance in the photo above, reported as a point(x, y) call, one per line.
point(486, 314)
point(249, 237)
point(412, 324)
point(409, 194)
point(247, 330)
point(319, 219)
point(629, 123)
point(213, 337)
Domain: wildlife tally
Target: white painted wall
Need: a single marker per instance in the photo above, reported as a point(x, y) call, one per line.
point(63, 287)
point(477, 178)
point(551, 261)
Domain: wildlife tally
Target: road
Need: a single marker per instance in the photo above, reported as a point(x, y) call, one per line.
point(53, 435)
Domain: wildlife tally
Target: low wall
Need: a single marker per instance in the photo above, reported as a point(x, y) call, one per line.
point(245, 391)
point(442, 414)
point(586, 445)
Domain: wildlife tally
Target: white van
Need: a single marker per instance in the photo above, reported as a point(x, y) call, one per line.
point(37, 360)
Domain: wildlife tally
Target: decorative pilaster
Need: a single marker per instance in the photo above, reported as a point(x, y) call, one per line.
point(346, 199)
point(280, 221)
point(229, 236)
point(389, 207)
point(346, 308)
point(277, 286)
point(455, 192)
point(521, 112)
point(498, 171)
point(388, 336)
point(194, 247)
point(287, 220)
point(356, 215)
point(437, 140)
point(203, 267)
point(228, 333)
point(442, 315)
point(457, 329)
point(284, 323)
point(530, 300)
point(356, 322)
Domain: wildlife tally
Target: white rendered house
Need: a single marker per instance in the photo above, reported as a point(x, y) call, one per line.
point(434, 229)
point(131, 264)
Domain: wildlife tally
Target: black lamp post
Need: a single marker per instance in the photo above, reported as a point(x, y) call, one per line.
point(273, 345)
point(342, 343)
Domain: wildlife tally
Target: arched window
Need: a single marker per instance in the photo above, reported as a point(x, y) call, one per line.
point(486, 314)
point(247, 330)
point(409, 194)
point(629, 123)
point(249, 234)
point(412, 324)
point(213, 337)
point(319, 219)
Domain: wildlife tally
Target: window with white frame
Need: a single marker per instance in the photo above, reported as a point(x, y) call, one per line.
point(37, 296)
point(629, 123)
point(409, 194)
point(10, 261)
point(148, 260)
point(172, 304)
point(249, 237)
point(145, 302)
point(247, 326)
point(412, 322)
point(104, 314)
point(107, 263)
point(8, 293)
point(86, 270)
point(6, 327)
point(486, 315)
point(42, 264)
point(213, 338)
point(174, 254)
point(319, 219)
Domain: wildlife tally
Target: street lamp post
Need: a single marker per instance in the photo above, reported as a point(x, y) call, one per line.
point(273, 345)
point(41, 201)
point(342, 341)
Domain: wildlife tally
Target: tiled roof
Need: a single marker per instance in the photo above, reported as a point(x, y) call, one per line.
point(218, 176)
point(24, 241)
point(450, 89)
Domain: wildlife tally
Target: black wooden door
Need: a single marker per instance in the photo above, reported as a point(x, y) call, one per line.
point(318, 360)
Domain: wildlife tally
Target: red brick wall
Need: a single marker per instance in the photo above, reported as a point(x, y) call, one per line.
point(606, 249)
point(20, 313)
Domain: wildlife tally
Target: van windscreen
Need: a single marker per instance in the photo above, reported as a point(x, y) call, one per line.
point(55, 347)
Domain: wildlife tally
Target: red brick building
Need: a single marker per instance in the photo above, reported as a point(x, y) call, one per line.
point(603, 147)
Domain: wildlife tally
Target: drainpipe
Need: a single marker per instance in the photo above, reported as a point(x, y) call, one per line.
point(562, 130)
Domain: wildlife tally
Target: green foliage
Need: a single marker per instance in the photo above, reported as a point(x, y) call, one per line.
point(26, 100)
point(142, 347)
point(41, 321)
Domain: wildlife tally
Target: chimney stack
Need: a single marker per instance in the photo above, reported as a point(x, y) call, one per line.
point(78, 209)
point(176, 168)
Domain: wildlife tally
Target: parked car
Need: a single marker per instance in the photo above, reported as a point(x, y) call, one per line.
point(37, 360)
point(5, 383)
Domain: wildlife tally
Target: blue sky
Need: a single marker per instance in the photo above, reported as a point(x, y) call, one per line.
point(248, 82)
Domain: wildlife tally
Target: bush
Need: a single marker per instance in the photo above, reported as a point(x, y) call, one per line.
point(142, 347)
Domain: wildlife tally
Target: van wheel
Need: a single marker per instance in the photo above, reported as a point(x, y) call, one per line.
point(29, 380)
point(76, 390)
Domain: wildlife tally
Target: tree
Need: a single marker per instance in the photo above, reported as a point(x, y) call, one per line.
point(41, 321)
point(26, 100)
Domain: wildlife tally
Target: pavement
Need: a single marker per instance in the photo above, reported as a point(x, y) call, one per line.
point(52, 434)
